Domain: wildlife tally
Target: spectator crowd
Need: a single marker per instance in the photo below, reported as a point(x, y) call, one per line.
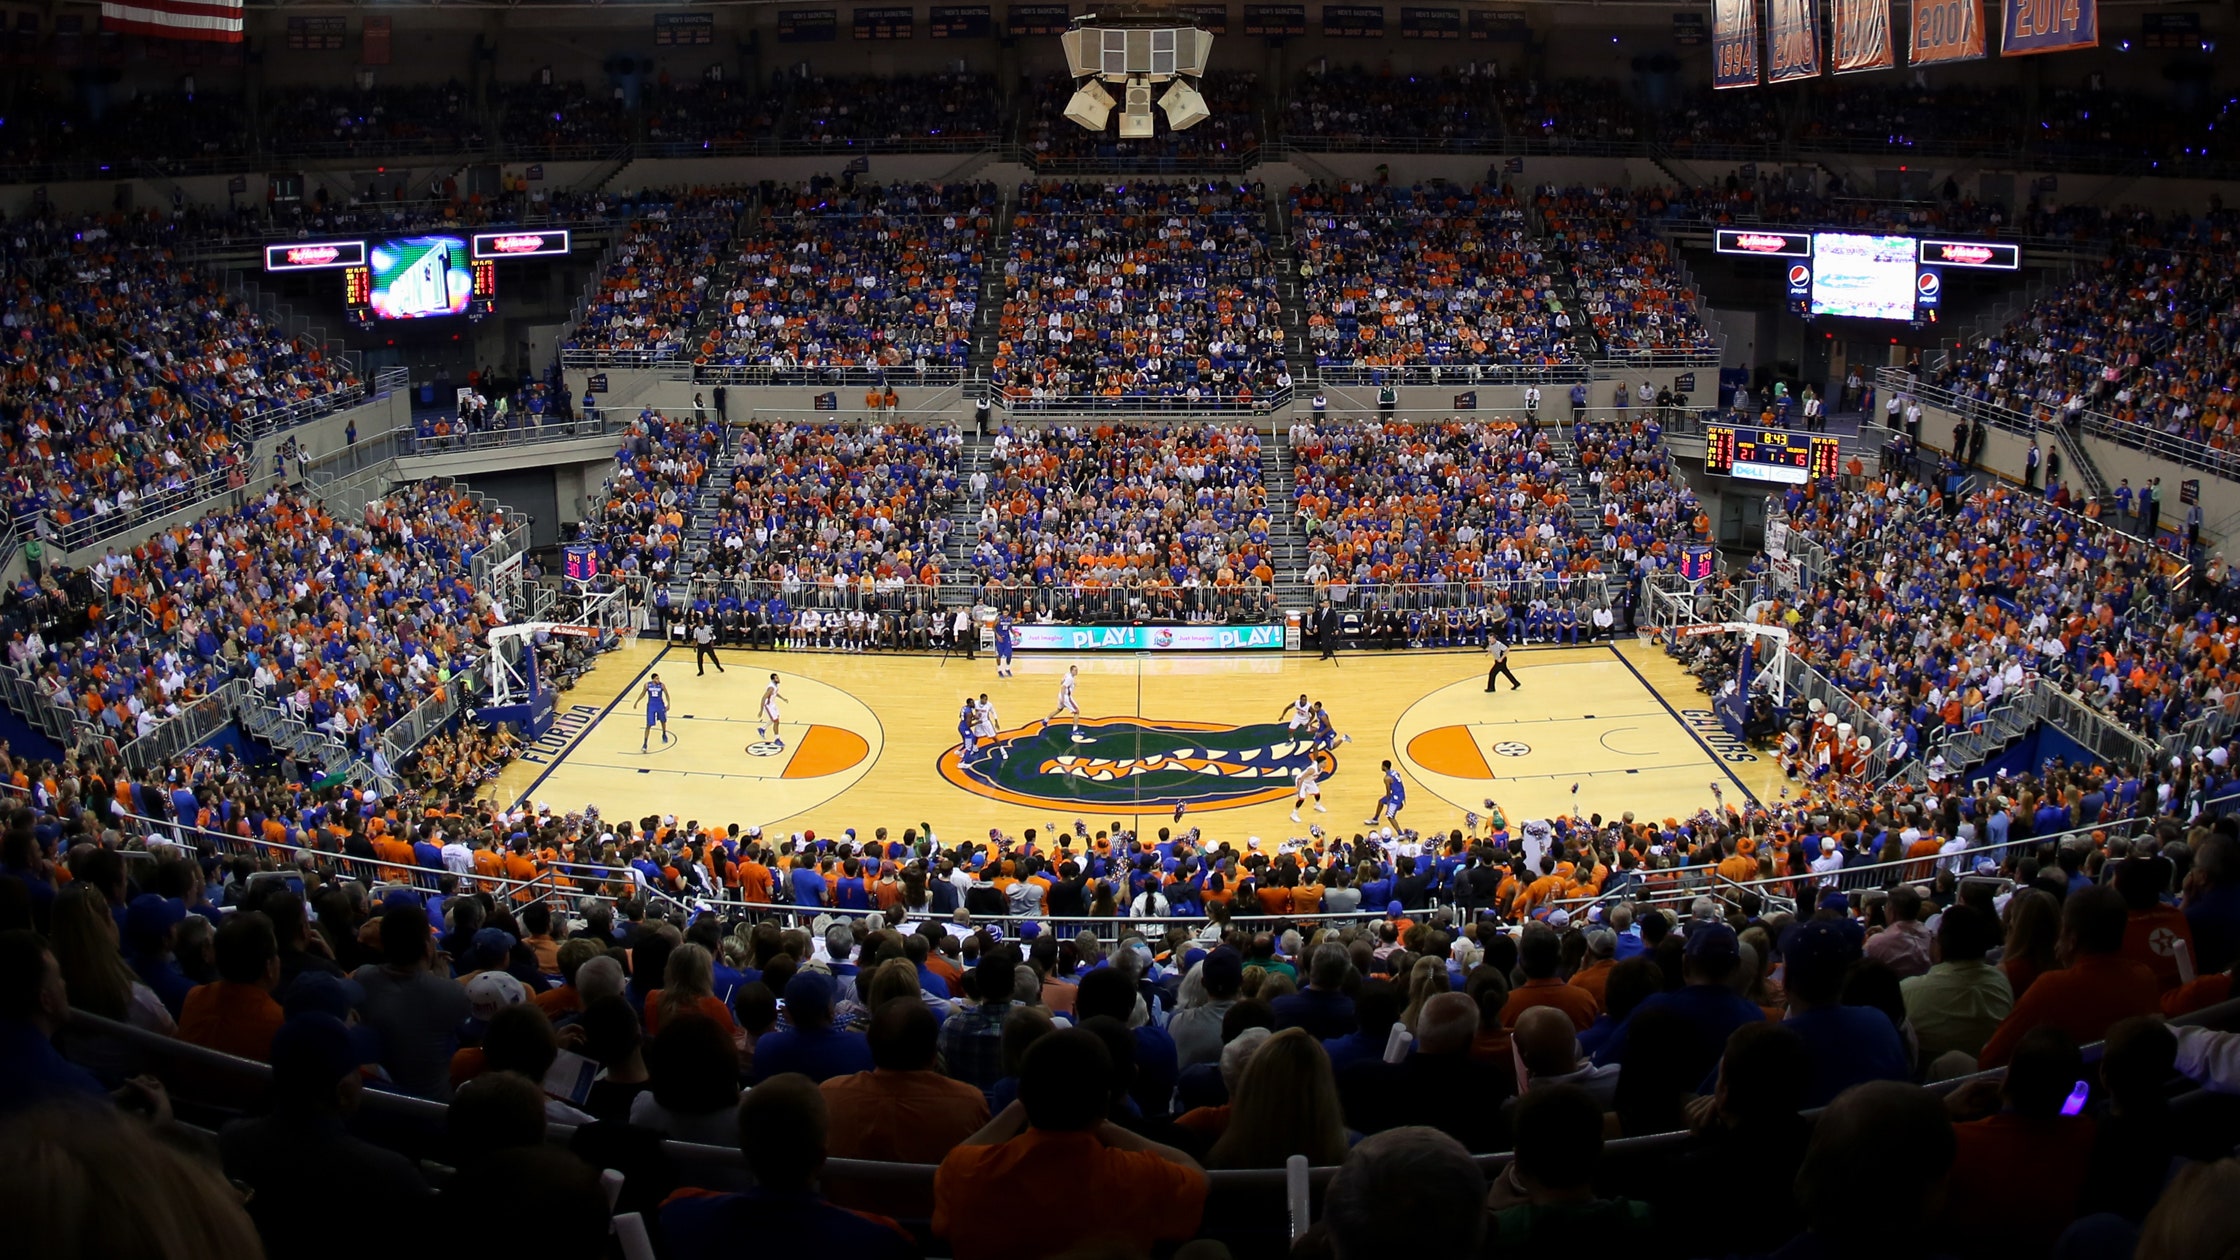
point(1144, 290)
point(1437, 276)
point(884, 277)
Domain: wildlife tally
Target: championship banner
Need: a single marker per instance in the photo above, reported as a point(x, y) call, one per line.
point(2043, 26)
point(1862, 36)
point(1945, 30)
point(1792, 40)
point(1734, 43)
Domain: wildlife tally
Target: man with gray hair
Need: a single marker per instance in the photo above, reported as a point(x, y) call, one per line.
point(1322, 1008)
point(1439, 1085)
point(600, 977)
point(1087, 949)
point(1414, 1183)
point(1237, 1056)
point(839, 947)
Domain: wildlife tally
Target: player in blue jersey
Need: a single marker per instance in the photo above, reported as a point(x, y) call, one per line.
point(967, 719)
point(1324, 733)
point(1004, 637)
point(1395, 798)
point(656, 696)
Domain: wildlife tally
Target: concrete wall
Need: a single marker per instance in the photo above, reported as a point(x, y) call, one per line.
point(491, 461)
point(2005, 454)
point(2220, 498)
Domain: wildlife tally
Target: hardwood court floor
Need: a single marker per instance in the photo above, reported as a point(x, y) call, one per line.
point(870, 740)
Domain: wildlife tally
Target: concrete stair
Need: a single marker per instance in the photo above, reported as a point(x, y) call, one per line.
point(1288, 546)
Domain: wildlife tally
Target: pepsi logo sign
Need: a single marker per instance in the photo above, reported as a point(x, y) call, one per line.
point(1799, 274)
point(1927, 284)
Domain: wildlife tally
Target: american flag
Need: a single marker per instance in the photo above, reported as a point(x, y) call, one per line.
point(214, 21)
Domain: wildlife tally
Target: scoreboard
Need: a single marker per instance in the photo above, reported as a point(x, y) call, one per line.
point(1770, 454)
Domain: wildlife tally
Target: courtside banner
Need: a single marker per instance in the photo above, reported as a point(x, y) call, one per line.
point(212, 21)
point(1734, 43)
point(1945, 30)
point(1033, 638)
point(2043, 26)
point(1792, 40)
point(1862, 36)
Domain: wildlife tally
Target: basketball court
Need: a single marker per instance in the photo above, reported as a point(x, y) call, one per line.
point(870, 740)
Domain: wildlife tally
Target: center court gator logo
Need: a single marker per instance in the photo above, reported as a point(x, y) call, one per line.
point(1138, 765)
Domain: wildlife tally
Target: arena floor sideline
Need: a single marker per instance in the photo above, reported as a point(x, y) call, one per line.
point(871, 740)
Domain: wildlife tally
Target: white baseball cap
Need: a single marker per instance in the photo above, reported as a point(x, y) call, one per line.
point(492, 991)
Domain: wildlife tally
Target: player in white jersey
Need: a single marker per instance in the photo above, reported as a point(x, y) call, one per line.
point(1310, 784)
point(1067, 704)
point(770, 698)
point(1300, 714)
point(985, 725)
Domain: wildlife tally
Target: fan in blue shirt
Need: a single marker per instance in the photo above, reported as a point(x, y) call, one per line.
point(1846, 1045)
point(1712, 1008)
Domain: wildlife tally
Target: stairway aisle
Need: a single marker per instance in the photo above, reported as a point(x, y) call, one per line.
point(700, 522)
point(1287, 538)
point(986, 314)
point(717, 310)
point(1585, 514)
point(1283, 260)
point(964, 514)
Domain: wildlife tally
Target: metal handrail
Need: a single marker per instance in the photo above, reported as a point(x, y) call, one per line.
point(1850, 878)
point(1490, 374)
point(1022, 400)
point(366, 870)
point(838, 375)
point(1591, 588)
point(551, 428)
point(198, 721)
point(269, 420)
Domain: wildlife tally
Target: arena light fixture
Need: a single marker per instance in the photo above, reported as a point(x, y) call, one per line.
point(1136, 51)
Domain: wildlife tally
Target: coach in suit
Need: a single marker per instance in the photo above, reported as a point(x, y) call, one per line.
point(1326, 630)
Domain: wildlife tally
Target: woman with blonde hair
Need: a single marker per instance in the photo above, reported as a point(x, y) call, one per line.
point(2198, 1215)
point(1286, 1104)
point(1254, 977)
point(688, 987)
point(891, 979)
point(88, 1181)
point(1763, 989)
point(1427, 979)
point(85, 947)
point(2033, 927)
